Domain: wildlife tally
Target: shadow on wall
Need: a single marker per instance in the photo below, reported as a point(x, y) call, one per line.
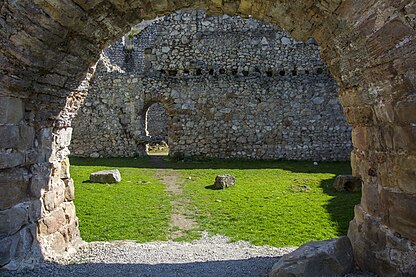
point(259, 266)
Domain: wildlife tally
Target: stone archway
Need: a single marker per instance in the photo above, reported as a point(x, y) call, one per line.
point(156, 121)
point(48, 48)
point(162, 119)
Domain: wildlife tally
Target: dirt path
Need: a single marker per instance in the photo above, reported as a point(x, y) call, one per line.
point(179, 223)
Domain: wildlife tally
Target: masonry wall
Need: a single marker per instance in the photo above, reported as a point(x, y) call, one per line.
point(232, 88)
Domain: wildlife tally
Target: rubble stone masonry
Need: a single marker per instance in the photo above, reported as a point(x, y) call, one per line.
point(232, 88)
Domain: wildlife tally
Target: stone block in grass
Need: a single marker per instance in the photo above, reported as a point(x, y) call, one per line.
point(347, 183)
point(106, 176)
point(224, 181)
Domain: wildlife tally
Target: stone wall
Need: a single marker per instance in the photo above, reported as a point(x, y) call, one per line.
point(233, 88)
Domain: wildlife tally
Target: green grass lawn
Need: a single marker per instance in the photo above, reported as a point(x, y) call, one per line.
point(137, 208)
point(278, 203)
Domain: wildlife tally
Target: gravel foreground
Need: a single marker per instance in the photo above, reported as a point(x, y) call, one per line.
point(209, 256)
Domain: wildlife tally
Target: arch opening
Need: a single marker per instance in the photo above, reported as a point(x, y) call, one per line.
point(202, 114)
point(156, 127)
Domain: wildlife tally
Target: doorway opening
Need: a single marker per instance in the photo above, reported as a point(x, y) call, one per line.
point(156, 126)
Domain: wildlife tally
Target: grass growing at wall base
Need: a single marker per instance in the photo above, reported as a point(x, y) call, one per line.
point(279, 203)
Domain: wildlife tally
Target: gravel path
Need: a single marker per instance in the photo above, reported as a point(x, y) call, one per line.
point(209, 256)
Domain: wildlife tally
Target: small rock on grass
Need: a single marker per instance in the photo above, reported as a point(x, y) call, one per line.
point(106, 176)
point(224, 181)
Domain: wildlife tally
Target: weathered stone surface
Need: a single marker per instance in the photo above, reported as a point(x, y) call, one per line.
point(69, 190)
point(224, 181)
point(17, 248)
point(69, 209)
point(13, 219)
point(347, 183)
point(18, 216)
point(106, 176)
point(57, 242)
point(55, 196)
point(405, 173)
point(401, 213)
point(63, 137)
point(323, 258)
point(10, 136)
point(377, 248)
point(11, 110)
point(49, 200)
point(406, 110)
point(14, 184)
point(40, 179)
point(61, 169)
point(52, 222)
point(27, 137)
point(10, 158)
point(35, 210)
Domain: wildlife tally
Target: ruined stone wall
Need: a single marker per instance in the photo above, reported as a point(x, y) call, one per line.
point(233, 88)
point(48, 47)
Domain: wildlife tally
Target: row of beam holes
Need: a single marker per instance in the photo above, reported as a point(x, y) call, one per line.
point(222, 71)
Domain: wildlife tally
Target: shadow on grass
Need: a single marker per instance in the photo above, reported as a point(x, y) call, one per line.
point(341, 206)
point(213, 187)
point(160, 162)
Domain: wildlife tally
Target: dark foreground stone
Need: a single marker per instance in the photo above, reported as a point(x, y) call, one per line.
point(320, 258)
point(347, 183)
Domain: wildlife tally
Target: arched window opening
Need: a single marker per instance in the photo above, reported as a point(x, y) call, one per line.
point(156, 125)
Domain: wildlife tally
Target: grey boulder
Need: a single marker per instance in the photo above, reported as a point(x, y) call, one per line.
point(321, 258)
point(106, 176)
point(224, 181)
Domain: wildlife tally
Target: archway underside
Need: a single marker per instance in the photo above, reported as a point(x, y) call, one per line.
point(49, 47)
